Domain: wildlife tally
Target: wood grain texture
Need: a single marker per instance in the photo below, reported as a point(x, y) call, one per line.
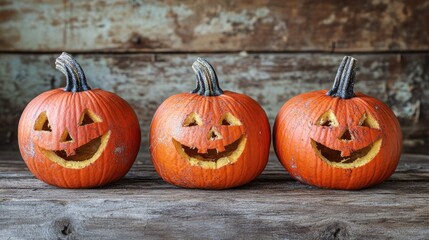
point(146, 80)
point(212, 26)
point(274, 206)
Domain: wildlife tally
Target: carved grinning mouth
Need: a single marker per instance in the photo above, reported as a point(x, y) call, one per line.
point(212, 154)
point(212, 158)
point(83, 152)
point(355, 159)
point(84, 155)
point(335, 156)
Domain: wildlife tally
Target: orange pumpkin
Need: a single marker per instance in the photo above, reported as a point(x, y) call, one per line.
point(209, 138)
point(338, 139)
point(78, 137)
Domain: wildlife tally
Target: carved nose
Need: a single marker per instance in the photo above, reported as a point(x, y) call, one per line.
point(65, 137)
point(347, 135)
point(214, 134)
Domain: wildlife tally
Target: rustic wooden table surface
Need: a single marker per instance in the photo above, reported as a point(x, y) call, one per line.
point(273, 206)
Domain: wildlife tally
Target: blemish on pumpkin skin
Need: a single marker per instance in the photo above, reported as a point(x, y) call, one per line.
point(119, 150)
point(348, 172)
point(298, 178)
point(29, 150)
point(164, 140)
point(292, 160)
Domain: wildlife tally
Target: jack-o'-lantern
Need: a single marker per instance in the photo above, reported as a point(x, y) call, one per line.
point(209, 138)
point(78, 137)
point(338, 139)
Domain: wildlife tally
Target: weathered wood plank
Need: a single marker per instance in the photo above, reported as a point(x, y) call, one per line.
point(272, 207)
point(145, 80)
point(15, 175)
point(294, 213)
point(149, 25)
point(232, 214)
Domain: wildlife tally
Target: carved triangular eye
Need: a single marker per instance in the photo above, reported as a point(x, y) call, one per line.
point(192, 120)
point(327, 119)
point(42, 123)
point(88, 117)
point(229, 120)
point(368, 121)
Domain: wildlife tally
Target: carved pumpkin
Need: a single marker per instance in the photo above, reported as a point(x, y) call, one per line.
point(209, 138)
point(338, 139)
point(77, 137)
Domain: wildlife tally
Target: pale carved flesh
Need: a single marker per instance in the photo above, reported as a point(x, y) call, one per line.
point(336, 157)
point(212, 158)
point(83, 155)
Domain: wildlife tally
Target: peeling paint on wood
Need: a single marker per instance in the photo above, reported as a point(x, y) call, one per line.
point(146, 80)
point(148, 25)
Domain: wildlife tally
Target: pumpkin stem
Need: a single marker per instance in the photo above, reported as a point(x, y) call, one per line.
point(75, 77)
point(344, 80)
point(206, 79)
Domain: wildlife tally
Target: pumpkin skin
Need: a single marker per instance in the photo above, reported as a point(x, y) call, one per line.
point(213, 141)
point(78, 139)
point(338, 139)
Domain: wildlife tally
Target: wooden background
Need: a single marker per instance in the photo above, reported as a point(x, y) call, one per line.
point(270, 50)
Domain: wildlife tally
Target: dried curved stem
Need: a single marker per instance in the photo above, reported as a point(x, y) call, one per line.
point(344, 80)
point(206, 79)
point(75, 76)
